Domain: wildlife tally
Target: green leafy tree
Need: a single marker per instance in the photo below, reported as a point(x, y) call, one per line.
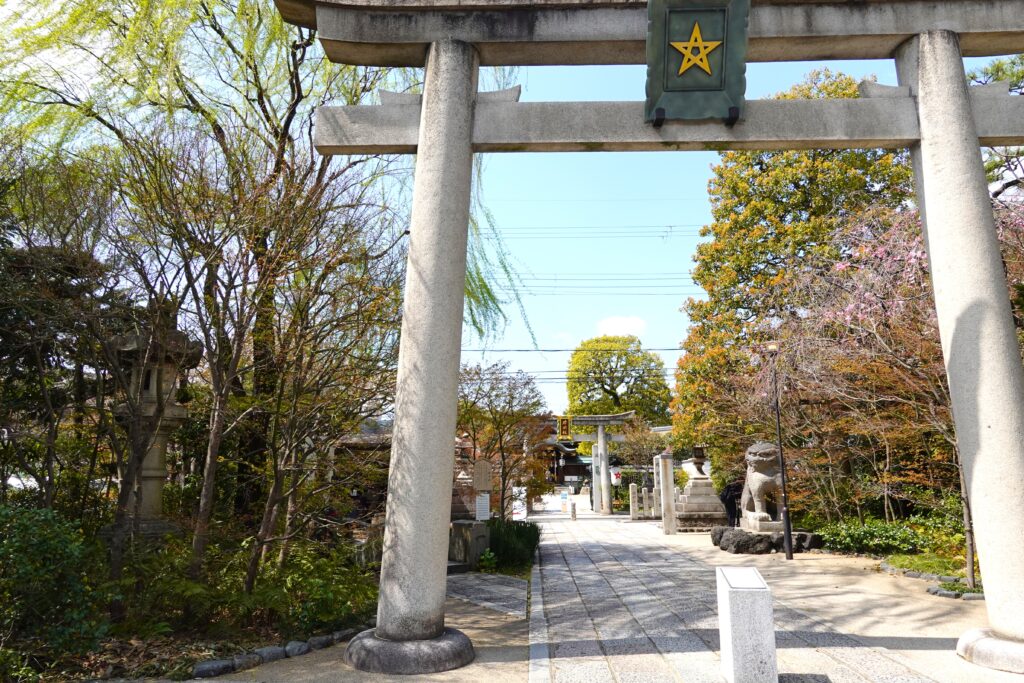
point(613, 374)
point(1004, 165)
point(773, 212)
point(504, 415)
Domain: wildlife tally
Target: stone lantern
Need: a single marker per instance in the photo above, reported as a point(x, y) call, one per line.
point(155, 357)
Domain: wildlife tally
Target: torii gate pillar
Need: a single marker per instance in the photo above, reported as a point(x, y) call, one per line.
point(410, 637)
point(979, 343)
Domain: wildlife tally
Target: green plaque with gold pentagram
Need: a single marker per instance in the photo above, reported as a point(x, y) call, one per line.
point(696, 60)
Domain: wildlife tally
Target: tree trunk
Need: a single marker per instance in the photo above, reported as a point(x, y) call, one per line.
point(965, 505)
point(200, 538)
point(266, 530)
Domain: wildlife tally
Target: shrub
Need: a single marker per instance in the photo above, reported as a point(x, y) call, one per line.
point(513, 542)
point(45, 591)
point(322, 592)
point(682, 477)
point(14, 667)
point(871, 538)
point(317, 589)
point(488, 561)
point(942, 528)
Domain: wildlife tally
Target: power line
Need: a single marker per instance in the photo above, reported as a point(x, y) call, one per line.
point(599, 199)
point(660, 226)
point(598, 350)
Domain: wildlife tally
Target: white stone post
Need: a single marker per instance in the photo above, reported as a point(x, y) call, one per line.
point(746, 626)
point(656, 491)
point(634, 507)
point(595, 478)
point(606, 472)
point(983, 364)
point(647, 504)
point(668, 500)
point(414, 564)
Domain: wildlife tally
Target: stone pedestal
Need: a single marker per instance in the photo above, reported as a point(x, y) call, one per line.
point(979, 342)
point(410, 637)
point(760, 526)
point(699, 506)
point(467, 541)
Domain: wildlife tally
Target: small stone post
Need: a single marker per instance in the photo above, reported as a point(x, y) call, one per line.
point(656, 491)
point(746, 626)
point(595, 476)
point(634, 507)
point(411, 637)
point(979, 344)
point(668, 501)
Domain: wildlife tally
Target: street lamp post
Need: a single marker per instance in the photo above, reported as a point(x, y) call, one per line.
point(787, 530)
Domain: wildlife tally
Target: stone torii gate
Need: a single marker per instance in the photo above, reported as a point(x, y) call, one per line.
point(932, 112)
point(601, 475)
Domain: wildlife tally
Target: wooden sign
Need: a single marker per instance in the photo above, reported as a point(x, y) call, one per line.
point(696, 60)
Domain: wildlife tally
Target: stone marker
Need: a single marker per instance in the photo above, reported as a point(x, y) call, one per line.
point(668, 501)
point(656, 491)
point(634, 504)
point(746, 626)
point(606, 472)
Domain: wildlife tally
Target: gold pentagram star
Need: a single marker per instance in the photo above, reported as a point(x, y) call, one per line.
point(702, 47)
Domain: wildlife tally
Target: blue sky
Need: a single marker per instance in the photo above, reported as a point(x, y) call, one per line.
point(605, 241)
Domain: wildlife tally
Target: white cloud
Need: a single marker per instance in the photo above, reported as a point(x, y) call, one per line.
point(622, 325)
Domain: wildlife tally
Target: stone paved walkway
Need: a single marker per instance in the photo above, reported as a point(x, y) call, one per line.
point(622, 602)
point(495, 591)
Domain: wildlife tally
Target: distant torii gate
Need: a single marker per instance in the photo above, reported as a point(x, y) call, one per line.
point(932, 112)
point(601, 476)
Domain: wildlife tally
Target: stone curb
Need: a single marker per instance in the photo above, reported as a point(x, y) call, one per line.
point(933, 590)
point(218, 667)
point(540, 655)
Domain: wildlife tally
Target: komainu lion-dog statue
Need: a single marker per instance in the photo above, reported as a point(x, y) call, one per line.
point(763, 477)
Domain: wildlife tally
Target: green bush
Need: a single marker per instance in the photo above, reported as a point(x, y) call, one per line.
point(871, 538)
point(488, 561)
point(513, 542)
point(323, 592)
point(46, 593)
point(14, 667)
point(318, 589)
point(942, 528)
point(682, 477)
